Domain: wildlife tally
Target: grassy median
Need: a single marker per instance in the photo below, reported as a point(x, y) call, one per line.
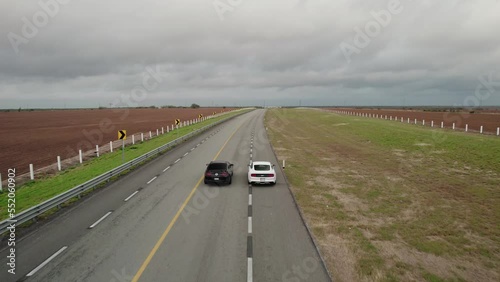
point(40, 190)
point(393, 202)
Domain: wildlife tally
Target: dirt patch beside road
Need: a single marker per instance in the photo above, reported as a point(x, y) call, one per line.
point(38, 137)
point(489, 120)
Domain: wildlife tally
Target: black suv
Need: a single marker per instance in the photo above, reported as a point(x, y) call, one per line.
point(219, 172)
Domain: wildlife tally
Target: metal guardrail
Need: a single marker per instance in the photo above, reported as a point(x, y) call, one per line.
point(54, 202)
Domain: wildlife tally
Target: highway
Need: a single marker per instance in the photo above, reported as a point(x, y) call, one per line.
point(161, 223)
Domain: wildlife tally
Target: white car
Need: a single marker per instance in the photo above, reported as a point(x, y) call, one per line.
point(261, 173)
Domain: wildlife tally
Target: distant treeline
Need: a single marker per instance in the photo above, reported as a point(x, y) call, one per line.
point(193, 106)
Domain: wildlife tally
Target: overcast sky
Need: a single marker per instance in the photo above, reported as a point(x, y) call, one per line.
point(75, 53)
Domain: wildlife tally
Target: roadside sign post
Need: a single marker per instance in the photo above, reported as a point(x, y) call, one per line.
point(122, 135)
point(177, 123)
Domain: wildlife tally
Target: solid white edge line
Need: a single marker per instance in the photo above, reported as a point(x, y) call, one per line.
point(250, 199)
point(133, 194)
point(178, 160)
point(152, 179)
point(46, 261)
point(100, 219)
point(249, 270)
point(166, 168)
point(249, 225)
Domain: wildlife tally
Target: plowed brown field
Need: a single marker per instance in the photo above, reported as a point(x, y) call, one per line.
point(489, 121)
point(38, 137)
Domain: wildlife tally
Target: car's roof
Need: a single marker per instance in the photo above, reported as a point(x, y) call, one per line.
point(261, 163)
point(218, 162)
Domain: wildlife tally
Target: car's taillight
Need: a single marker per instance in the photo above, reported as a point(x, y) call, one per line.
point(208, 173)
point(270, 175)
point(253, 175)
point(224, 174)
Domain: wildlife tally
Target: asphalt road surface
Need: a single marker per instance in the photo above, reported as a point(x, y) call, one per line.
point(161, 223)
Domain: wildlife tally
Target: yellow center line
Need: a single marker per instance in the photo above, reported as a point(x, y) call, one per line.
point(169, 227)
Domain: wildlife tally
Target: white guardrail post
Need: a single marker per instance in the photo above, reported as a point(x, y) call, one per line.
point(32, 173)
point(76, 191)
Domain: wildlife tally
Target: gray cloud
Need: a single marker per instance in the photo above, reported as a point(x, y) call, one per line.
point(91, 52)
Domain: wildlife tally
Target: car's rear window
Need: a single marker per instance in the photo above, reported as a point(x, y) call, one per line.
point(262, 167)
point(216, 166)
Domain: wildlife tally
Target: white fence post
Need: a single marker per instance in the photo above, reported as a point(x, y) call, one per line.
point(401, 119)
point(432, 123)
point(466, 127)
point(391, 117)
point(442, 124)
point(481, 130)
point(453, 126)
point(150, 136)
point(168, 129)
point(162, 131)
point(133, 139)
point(111, 146)
point(408, 120)
point(59, 163)
point(157, 132)
point(81, 156)
point(32, 173)
point(423, 122)
point(498, 131)
point(97, 150)
point(415, 121)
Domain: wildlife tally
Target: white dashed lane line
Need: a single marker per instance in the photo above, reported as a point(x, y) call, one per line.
point(250, 270)
point(177, 161)
point(166, 168)
point(249, 225)
point(46, 261)
point(185, 154)
point(100, 219)
point(250, 199)
point(152, 179)
point(129, 197)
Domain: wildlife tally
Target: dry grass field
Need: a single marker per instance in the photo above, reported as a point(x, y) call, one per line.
point(393, 202)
